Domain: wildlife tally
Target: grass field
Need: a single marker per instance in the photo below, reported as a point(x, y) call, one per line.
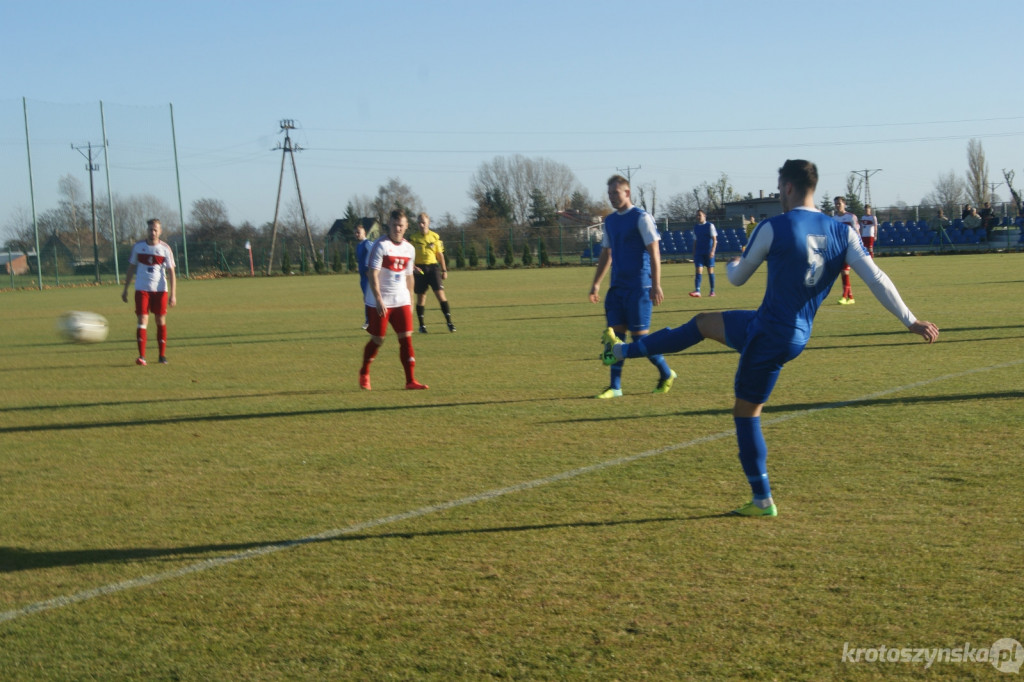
point(246, 512)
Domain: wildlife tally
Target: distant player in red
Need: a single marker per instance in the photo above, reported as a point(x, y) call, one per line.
point(844, 216)
point(388, 299)
point(868, 230)
point(152, 265)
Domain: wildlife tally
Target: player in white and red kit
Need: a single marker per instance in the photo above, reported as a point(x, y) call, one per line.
point(868, 230)
point(152, 265)
point(844, 216)
point(388, 299)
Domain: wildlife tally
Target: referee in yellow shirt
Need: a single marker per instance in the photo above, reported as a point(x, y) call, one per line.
point(431, 270)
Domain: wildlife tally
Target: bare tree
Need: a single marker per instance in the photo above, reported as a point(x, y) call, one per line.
point(681, 206)
point(362, 206)
point(948, 194)
point(517, 178)
point(77, 224)
point(208, 222)
point(395, 194)
point(648, 198)
point(977, 173)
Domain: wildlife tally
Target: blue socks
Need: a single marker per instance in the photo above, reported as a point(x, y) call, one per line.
point(753, 455)
point(657, 360)
point(696, 281)
point(665, 341)
point(711, 279)
point(616, 381)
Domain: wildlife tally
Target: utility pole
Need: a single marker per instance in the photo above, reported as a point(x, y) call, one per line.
point(992, 189)
point(92, 168)
point(288, 150)
point(866, 173)
point(628, 170)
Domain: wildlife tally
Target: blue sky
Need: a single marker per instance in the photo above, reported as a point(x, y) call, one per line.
point(427, 91)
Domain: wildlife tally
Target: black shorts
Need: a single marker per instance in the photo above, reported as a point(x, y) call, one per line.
point(427, 277)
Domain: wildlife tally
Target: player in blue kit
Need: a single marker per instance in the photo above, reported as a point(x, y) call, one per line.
point(805, 251)
point(631, 250)
point(362, 253)
point(705, 239)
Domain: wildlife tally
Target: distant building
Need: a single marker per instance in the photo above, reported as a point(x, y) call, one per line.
point(761, 207)
point(14, 264)
point(340, 232)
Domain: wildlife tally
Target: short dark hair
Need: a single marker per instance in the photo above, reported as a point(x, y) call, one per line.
point(398, 214)
point(617, 180)
point(802, 174)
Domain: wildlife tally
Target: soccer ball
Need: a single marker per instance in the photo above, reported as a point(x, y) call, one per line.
point(82, 327)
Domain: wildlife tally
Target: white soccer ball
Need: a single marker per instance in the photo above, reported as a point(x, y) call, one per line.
point(83, 327)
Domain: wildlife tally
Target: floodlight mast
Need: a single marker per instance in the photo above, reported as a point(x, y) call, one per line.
point(288, 150)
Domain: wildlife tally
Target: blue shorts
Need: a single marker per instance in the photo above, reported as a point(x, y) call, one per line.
point(629, 308)
point(704, 261)
point(761, 355)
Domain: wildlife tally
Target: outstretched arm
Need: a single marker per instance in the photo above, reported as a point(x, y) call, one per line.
point(885, 291)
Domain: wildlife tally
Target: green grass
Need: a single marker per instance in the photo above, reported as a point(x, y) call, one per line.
point(899, 524)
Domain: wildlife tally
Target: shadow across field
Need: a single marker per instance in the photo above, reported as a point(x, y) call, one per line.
point(14, 559)
point(783, 408)
point(276, 414)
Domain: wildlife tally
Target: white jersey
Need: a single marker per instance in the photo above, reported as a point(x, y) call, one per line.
point(848, 219)
point(151, 265)
point(395, 264)
point(868, 226)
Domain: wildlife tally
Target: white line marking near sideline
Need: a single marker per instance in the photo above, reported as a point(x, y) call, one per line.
point(113, 588)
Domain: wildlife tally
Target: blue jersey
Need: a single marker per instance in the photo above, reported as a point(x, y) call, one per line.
point(805, 251)
point(362, 253)
point(628, 235)
point(702, 235)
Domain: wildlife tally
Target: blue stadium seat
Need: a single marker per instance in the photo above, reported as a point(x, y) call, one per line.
point(898, 225)
point(923, 224)
point(885, 225)
point(911, 224)
point(958, 223)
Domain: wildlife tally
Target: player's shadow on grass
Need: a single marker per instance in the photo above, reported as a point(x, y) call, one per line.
point(277, 414)
point(779, 409)
point(162, 401)
point(13, 559)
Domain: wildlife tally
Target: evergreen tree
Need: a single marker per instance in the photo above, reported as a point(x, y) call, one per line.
point(286, 263)
point(542, 254)
point(510, 259)
point(471, 256)
point(542, 214)
point(351, 260)
point(527, 254)
point(460, 258)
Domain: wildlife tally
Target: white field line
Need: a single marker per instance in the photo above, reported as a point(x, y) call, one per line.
point(142, 581)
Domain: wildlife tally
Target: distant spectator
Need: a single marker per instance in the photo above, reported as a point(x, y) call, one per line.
point(972, 221)
point(966, 211)
point(988, 219)
point(941, 222)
